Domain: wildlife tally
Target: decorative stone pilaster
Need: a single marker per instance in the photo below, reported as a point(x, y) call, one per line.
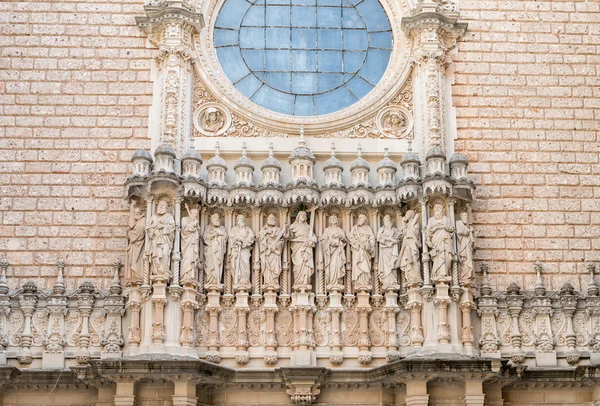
point(85, 303)
point(592, 304)
point(114, 309)
point(364, 342)
point(434, 30)
point(390, 309)
point(303, 342)
point(159, 301)
point(514, 301)
point(213, 307)
point(188, 305)
point(568, 302)
point(28, 298)
point(542, 307)
point(335, 308)
point(488, 310)
point(4, 310)
point(134, 304)
point(54, 353)
point(414, 306)
point(170, 27)
point(270, 308)
point(242, 308)
point(442, 300)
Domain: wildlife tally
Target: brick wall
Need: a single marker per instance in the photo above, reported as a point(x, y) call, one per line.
point(74, 96)
point(527, 91)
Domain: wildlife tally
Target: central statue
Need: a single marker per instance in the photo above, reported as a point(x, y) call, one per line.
point(302, 241)
point(333, 242)
point(362, 241)
point(241, 239)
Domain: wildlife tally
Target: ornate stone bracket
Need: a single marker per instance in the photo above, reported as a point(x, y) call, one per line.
point(303, 384)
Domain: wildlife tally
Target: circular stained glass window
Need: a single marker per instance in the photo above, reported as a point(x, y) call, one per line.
point(303, 57)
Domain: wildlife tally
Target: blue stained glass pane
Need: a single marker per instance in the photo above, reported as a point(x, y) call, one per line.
point(355, 40)
point(328, 81)
point(304, 83)
point(333, 101)
point(231, 14)
point(330, 39)
point(278, 60)
point(255, 59)
point(274, 100)
point(304, 61)
point(359, 87)
point(329, 17)
point(375, 65)
point(304, 16)
point(330, 61)
point(278, 16)
point(304, 38)
point(225, 37)
point(353, 61)
point(351, 19)
point(252, 37)
point(255, 16)
point(381, 39)
point(304, 106)
point(303, 57)
point(235, 68)
point(249, 85)
point(278, 37)
point(280, 81)
point(377, 20)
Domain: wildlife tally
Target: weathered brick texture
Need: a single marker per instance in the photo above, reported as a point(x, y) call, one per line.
point(75, 92)
point(527, 92)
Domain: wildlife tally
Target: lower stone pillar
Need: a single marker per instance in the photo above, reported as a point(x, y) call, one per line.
point(302, 306)
point(416, 393)
point(493, 395)
point(474, 393)
point(213, 307)
point(159, 300)
point(596, 396)
point(125, 394)
point(364, 342)
point(184, 393)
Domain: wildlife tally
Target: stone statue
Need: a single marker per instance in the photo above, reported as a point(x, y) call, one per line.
point(215, 242)
point(466, 241)
point(161, 232)
point(333, 243)
point(362, 242)
point(388, 238)
point(271, 246)
point(190, 245)
point(241, 239)
point(410, 263)
point(212, 120)
point(439, 240)
point(135, 245)
point(302, 241)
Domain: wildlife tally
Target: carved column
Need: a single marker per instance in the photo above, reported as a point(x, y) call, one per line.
point(54, 354)
point(134, 304)
point(213, 307)
point(170, 27)
point(427, 289)
point(270, 308)
point(176, 257)
point(542, 308)
point(364, 342)
point(488, 310)
point(568, 301)
point(434, 31)
point(159, 301)
point(391, 335)
point(414, 306)
point(514, 301)
point(85, 302)
point(188, 305)
point(149, 211)
point(455, 289)
point(242, 308)
point(4, 310)
point(114, 308)
point(28, 299)
point(335, 308)
point(592, 305)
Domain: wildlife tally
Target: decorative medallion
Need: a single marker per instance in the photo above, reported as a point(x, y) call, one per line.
point(212, 119)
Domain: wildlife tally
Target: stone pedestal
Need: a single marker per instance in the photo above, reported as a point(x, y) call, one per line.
point(213, 307)
point(442, 300)
point(188, 304)
point(158, 300)
point(364, 343)
point(335, 308)
point(242, 308)
point(270, 308)
point(414, 306)
point(302, 308)
point(391, 337)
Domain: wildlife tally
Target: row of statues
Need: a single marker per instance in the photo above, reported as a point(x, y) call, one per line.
point(150, 246)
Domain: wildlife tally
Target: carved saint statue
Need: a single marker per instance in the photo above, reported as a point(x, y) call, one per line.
point(362, 242)
point(388, 238)
point(135, 245)
point(215, 242)
point(333, 243)
point(241, 239)
point(466, 241)
point(212, 120)
point(160, 233)
point(439, 240)
point(271, 246)
point(410, 263)
point(302, 241)
point(190, 245)
point(394, 123)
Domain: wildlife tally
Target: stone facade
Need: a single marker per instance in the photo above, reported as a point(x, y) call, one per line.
point(127, 296)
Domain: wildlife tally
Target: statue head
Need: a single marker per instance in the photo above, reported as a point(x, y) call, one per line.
point(438, 210)
point(240, 220)
point(301, 217)
point(271, 220)
point(362, 219)
point(464, 217)
point(410, 214)
point(333, 220)
point(396, 119)
point(137, 212)
point(211, 115)
point(215, 220)
point(161, 207)
point(387, 220)
point(194, 212)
